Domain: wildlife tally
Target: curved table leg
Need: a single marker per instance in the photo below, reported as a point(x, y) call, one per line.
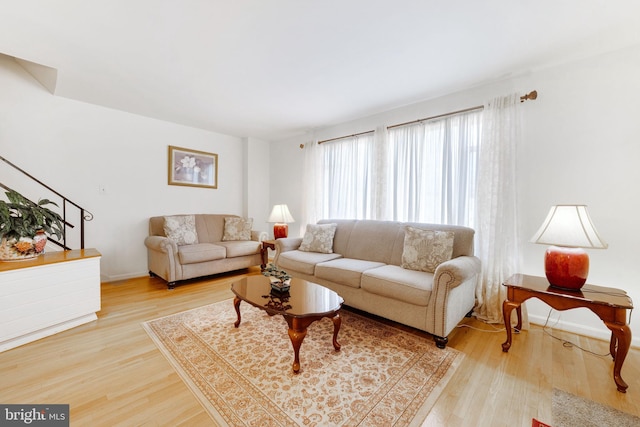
point(507, 308)
point(297, 336)
point(236, 305)
point(621, 334)
point(337, 321)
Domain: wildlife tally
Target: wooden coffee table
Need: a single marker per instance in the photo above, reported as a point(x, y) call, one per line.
point(303, 304)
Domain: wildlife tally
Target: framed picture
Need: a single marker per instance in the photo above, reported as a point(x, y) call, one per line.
point(192, 168)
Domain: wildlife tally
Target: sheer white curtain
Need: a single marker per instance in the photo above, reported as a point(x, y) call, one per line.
point(496, 224)
point(340, 179)
point(432, 170)
point(311, 205)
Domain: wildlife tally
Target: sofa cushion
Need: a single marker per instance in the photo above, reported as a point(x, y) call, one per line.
point(425, 250)
point(241, 248)
point(398, 283)
point(181, 229)
point(236, 228)
point(200, 252)
point(304, 262)
point(344, 271)
point(318, 238)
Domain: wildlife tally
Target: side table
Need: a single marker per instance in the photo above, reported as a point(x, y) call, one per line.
point(264, 252)
point(609, 304)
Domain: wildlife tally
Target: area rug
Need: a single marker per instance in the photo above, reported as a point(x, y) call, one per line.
point(382, 376)
point(569, 410)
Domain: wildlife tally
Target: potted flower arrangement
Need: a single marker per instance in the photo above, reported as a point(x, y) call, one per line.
point(24, 226)
point(280, 279)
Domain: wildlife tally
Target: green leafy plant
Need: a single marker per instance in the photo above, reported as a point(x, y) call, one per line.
point(272, 270)
point(20, 217)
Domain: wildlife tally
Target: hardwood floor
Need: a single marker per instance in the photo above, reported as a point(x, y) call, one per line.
point(111, 373)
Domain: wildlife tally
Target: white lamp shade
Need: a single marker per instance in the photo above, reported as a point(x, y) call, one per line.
point(569, 226)
point(280, 214)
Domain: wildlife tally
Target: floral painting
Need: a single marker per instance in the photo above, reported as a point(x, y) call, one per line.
point(192, 168)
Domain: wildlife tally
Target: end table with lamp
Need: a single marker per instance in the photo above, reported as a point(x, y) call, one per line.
point(569, 229)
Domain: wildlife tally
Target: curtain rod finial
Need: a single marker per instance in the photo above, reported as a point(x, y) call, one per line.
point(531, 95)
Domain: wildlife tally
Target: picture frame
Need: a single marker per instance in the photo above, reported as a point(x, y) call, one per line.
point(192, 168)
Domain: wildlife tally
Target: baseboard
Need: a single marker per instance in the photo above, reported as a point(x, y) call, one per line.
point(602, 334)
point(118, 277)
point(42, 333)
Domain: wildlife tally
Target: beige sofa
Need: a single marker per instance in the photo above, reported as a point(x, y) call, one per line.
point(201, 250)
point(365, 268)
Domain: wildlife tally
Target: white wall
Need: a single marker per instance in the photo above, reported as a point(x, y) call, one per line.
point(75, 147)
point(580, 146)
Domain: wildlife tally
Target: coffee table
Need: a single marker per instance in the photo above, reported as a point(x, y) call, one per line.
point(303, 304)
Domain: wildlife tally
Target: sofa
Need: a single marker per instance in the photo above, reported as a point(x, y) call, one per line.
point(420, 275)
point(181, 247)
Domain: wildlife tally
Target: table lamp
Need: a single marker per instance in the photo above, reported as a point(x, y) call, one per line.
point(281, 216)
point(568, 229)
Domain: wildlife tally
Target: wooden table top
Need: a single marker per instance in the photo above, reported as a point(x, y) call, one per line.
point(596, 294)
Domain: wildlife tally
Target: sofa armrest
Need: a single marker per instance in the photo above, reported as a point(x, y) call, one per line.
point(288, 244)
point(259, 236)
point(453, 293)
point(456, 271)
point(161, 244)
point(285, 245)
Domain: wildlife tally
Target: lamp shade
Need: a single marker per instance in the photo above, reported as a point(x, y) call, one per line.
point(568, 229)
point(281, 216)
point(569, 226)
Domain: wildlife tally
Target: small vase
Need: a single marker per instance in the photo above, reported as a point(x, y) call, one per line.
point(39, 242)
point(15, 250)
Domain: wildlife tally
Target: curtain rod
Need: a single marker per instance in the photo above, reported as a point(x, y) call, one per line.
point(346, 136)
point(531, 95)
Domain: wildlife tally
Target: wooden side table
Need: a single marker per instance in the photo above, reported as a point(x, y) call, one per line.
point(264, 252)
point(609, 304)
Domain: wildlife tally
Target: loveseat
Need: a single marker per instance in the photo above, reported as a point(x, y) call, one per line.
point(421, 275)
point(181, 247)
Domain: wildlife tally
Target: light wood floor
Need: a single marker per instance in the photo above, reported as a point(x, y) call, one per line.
point(111, 373)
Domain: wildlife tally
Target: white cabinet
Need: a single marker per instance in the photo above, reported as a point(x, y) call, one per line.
point(49, 294)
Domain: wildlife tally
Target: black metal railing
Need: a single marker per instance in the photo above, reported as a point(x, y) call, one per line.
point(84, 214)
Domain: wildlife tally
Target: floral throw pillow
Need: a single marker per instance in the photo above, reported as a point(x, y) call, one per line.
point(318, 238)
point(181, 229)
point(425, 250)
point(237, 228)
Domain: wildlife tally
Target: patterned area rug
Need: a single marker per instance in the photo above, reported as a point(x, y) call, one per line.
point(382, 376)
point(573, 411)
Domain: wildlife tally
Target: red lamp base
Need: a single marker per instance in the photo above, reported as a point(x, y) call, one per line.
point(566, 268)
point(280, 231)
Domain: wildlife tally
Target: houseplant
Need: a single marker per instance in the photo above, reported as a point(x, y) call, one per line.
point(23, 224)
point(280, 279)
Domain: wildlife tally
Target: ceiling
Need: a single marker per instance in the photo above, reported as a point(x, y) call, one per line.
point(272, 69)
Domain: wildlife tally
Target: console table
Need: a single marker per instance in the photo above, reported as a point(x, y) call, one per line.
point(609, 304)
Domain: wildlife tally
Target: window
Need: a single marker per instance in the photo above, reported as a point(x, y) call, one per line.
point(347, 178)
point(423, 172)
point(432, 169)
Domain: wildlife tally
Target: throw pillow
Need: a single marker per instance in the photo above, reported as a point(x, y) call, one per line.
point(181, 229)
point(425, 250)
point(318, 238)
point(237, 228)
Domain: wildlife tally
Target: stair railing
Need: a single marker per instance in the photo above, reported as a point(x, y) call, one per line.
point(85, 215)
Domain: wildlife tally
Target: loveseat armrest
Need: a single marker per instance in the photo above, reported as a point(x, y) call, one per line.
point(161, 244)
point(259, 236)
